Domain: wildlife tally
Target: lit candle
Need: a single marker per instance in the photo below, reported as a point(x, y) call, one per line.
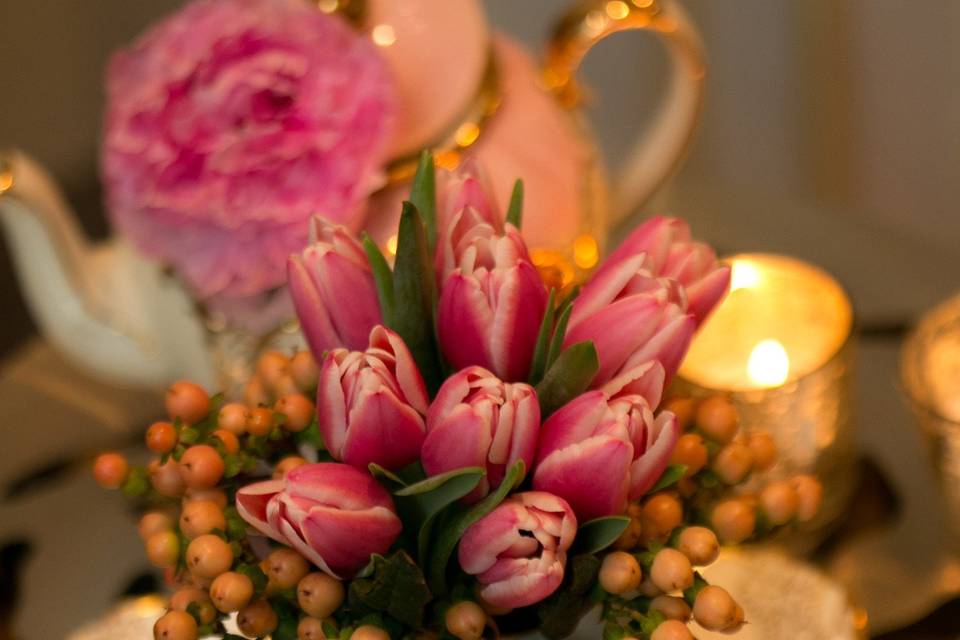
point(780, 346)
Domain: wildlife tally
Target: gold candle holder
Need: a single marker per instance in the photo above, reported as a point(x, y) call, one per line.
point(930, 371)
point(781, 346)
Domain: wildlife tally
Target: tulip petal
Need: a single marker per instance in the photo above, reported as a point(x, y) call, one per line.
point(406, 371)
point(252, 502)
point(460, 440)
point(650, 465)
point(350, 295)
point(331, 405)
point(464, 319)
point(572, 423)
point(705, 294)
point(668, 345)
point(384, 430)
point(645, 380)
point(490, 536)
point(593, 476)
point(519, 308)
point(337, 485)
point(604, 287)
point(524, 589)
point(346, 539)
point(314, 317)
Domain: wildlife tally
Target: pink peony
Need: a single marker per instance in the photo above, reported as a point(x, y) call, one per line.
point(229, 124)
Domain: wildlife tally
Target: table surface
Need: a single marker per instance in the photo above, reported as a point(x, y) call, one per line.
point(85, 545)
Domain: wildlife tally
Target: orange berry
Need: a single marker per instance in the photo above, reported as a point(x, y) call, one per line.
point(717, 418)
point(714, 609)
point(230, 442)
point(683, 408)
point(201, 516)
point(153, 522)
point(311, 629)
point(231, 591)
point(662, 513)
point(672, 607)
point(166, 479)
point(733, 463)
point(188, 401)
point(201, 466)
point(620, 573)
point(809, 497)
point(260, 421)
point(208, 556)
point(699, 544)
point(185, 596)
point(233, 417)
point(286, 465)
point(319, 595)
point(163, 549)
point(466, 620)
point(779, 501)
point(369, 632)
point(671, 571)
point(271, 367)
point(671, 630)
point(175, 625)
point(110, 470)
point(691, 452)
point(255, 394)
point(305, 372)
point(214, 495)
point(297, 410)
point(764, 450)
point(257, 619)
point(161, 437)
point(285, 568)
point(733, 520)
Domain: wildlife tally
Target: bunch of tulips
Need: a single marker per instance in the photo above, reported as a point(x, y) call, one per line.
point(462, 451)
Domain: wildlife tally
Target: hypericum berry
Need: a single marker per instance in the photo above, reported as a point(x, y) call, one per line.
point(233, 417)
point(110, 470)
point(466, 620)
point(213, 495)
point(319, 595)
point(175, 625)
point(257, 619)
point(230, 442)
point(733, 520)
point(231, 591)
point(718, 419)
point(297, 410)
point(286, 567)
point(271, 367)
point(779, 502)
point(630, 537)
point(714, 609)
point(733, 463)
point(683, 408)
point(809, 497)
point(163, 549)
point(153, 522)
point(166, 479)
point(311, 629)
point(285, 386)
point(161, 437)
point(764, 450)
point(201, 466)
point(662, 513)
point(208, 556)
point(671, 607)
point(255, 394)
point(185, 596)
point(699, 544)
point(671, 570)
point(620, 573)
point(188, 401)
point(305, 371)
point(648, 589)
point(287, 465)
point(260, 421)
point(690, 452)
point(369, 632)
point(671, 630)
point(201, 516)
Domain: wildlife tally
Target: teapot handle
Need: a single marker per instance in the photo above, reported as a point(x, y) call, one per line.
point(656, 154)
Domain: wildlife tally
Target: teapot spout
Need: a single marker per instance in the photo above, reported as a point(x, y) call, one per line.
point(83, 296)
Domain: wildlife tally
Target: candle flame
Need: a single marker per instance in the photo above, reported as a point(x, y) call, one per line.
point(744, 275)
point(768, 364)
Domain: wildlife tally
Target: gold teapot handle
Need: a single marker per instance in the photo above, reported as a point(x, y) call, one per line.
point(657, 154)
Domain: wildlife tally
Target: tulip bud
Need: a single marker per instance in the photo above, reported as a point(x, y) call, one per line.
point(333, 290)
point(334, 515)
point(370, 404)
point(478, 421)
point(519, 550)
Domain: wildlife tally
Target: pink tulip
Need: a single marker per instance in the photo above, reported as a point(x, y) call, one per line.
point(336, 516)
point(671, 253)
point(465, 210)
point(333, 290)
point(371, 404)
point(492, 303)
point(478, 421)
point(605, 447)
point(519, 550)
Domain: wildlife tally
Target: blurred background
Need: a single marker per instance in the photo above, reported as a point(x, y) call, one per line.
point(831, 132)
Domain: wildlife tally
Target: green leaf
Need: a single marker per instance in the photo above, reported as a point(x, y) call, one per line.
point(386, 477)
point(460, 481)
point(690, 594)
point(256, 575)
point(231, 465)
point(395, 587)
point(561, 612)
point(454, 525)
point(423, 195)
point(539, 364)
point(515, 210)
point(569, 376)
point(288, 617)
point(599, 533)
point(414, 288)
point(136, 483)
point(310, 436)
point(382, 277)
point(556, 344)
point(671, 475)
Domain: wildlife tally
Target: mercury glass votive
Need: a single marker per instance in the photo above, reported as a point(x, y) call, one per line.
point(930, 370)
point(781, 347)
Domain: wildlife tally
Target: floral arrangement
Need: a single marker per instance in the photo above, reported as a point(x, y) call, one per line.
point(229, 124)
point(462, 452)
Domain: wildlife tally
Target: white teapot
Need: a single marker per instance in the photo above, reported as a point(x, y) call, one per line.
point(463, 92)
